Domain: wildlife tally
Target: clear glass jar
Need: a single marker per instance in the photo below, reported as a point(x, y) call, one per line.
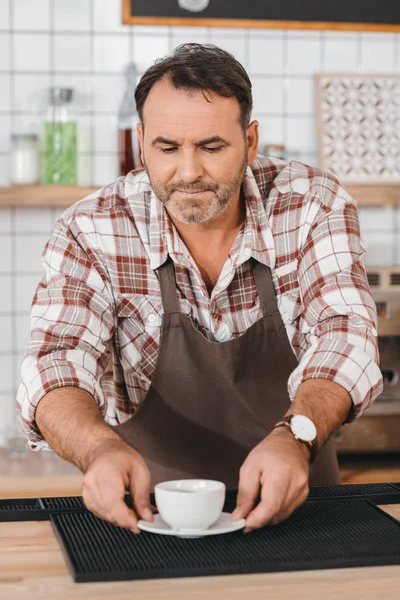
point(275, 151)
point(60, 151)
point(24, 159)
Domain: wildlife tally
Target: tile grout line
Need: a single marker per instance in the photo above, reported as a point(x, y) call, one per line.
point(13, 233)
point(92, 91)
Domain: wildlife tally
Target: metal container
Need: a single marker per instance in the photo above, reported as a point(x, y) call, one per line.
point(378, 429)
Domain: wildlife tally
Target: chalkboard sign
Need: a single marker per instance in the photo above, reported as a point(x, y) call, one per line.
point(356, 15)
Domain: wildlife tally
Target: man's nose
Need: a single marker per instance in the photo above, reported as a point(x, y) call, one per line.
point(190, 168)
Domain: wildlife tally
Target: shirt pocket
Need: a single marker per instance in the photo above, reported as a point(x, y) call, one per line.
point(146, 310)
point(139, 317)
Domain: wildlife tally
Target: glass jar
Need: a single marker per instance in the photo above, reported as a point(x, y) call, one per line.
point(60, 152)
point(24, 159)
point(275, 151)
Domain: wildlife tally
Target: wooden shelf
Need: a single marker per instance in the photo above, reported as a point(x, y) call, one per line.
point(36, 195)
point(371, 194)
point(63, 196)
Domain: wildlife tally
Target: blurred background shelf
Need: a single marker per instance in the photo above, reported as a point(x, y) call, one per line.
point(36, 195)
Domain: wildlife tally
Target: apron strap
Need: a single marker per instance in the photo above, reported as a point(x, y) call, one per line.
point(168, 287)
point(265, 288)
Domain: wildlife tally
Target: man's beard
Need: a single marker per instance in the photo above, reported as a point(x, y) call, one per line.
point(191, 210)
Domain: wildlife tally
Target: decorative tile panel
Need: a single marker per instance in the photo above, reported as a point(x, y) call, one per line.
point(358, 125)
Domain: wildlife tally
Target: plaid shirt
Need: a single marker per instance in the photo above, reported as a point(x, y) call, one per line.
point(97, 311)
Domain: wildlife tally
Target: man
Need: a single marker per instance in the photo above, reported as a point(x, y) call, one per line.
point(230, 293)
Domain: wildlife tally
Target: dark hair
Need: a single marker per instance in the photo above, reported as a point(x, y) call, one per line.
point(202, 67)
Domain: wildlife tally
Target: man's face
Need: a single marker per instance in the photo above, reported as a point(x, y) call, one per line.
point(194, 152)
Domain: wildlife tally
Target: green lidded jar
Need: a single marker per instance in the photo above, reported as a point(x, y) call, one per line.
point(60, 144)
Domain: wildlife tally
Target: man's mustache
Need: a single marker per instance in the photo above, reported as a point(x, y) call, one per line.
point(182, 187)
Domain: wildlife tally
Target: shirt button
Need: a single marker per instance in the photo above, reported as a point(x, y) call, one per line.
point(151, 318)
point(374, 331)
point(285, 318)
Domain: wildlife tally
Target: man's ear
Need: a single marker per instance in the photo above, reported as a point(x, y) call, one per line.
point(139, 130)
point(252, 141)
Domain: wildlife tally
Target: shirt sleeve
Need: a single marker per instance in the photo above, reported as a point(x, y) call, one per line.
point(339, 319)
point(72, 320)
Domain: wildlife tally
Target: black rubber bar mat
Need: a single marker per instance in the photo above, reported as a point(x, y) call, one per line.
point(23, 509)
point(319, 535)
point(32, 509)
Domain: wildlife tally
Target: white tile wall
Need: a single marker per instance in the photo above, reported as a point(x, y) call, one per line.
point(6, 370)
point(83, 44)
point(29, 262)
point(72, 53)
point(299, 95)
point(4, 170)
point(268, 94)
point(181, 35)
point(377, 52)
point(4, 133)
point(32, 52)
point(4, 50)
point(33, 219)
point(29, 93)
point(147, 48)
point(32, 16)
point(266, 55)
point(4, 15)
point(108, 92)
point(6, 282)
point(73, 15)
point(6, 253)
point(340, 53)
point(105, 132)
point(304, 54)
point(107, 16)
point(111, 53)
point(6, 333)
point(5, 93)
point(5, 220)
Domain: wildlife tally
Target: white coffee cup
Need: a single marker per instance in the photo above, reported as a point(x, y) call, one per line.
point(190, 504)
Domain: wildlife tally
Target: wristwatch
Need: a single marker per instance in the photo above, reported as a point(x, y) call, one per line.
point(303, 430)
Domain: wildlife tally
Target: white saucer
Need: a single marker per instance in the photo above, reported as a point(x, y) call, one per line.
point(223, 525)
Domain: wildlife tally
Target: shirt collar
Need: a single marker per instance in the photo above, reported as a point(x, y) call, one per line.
point(255, 241)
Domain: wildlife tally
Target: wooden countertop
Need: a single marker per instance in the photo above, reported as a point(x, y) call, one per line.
point(32, 565)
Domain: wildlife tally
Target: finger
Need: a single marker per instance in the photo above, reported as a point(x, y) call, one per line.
point(112, 510)
point(285, 514)
point(273, 496)
point(248, 490)
point(140, 491)
point(274, 513)
point(122, 516)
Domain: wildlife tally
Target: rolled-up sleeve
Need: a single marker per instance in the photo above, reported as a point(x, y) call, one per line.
point(72, 320)
point(338, 322)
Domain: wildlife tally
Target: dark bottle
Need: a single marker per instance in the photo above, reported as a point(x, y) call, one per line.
point(129, 152)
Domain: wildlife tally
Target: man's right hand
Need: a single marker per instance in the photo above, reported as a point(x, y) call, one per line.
point(113, 468)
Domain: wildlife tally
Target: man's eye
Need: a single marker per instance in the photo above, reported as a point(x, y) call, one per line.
point(167, 150)
point(208, 149)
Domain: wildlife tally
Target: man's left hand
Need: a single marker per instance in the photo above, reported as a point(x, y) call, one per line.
point(279, 465)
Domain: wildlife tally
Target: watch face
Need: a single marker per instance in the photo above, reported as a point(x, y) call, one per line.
point(303, 428)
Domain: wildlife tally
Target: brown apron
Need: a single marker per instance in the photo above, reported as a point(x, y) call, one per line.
point(210, 403)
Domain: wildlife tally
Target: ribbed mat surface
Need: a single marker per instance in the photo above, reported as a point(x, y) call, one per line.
point(318, 535)
point(30, 509)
